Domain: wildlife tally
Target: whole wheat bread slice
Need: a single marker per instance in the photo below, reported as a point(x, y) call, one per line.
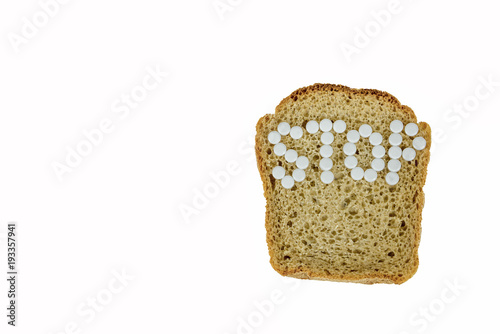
point(348, 230)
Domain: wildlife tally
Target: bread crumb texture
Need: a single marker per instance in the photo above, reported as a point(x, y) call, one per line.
point(348, 230)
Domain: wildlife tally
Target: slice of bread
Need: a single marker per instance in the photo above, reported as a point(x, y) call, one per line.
point(349, 229)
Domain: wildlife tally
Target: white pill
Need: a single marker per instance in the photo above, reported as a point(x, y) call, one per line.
point(291, 155)
point(274, 137)
point(349, 149)
point(395, 139)
point(378, 164)
point(279, 149)
point(278, 172)
point(419, 143)
point(353, 136)
point(339, 126)
point(287, 182)
point(327, 177)
point(370, 175)
point(365, 130)
point(357, 173)
point(327, 138)
point(376, 138)
point(326, 164)
point(378, 151)
point(312, 127)
point(392, 178)
point(296, 132)
point(351, 162)
point(396, 126)
point(409, 154)
point(411, 129)
point(284, 128)
point(326, 151)
point(394, 165)
point(299, 175)
point(302, 162)
point(325, 125)
point(395, 152)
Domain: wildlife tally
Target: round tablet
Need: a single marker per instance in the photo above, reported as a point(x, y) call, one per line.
point(419, 143)
point(339, 126)
point(291, 155)
point(353, 136)
point(370, 175)
point(327, 177)
point(296, 132)
point(287, 182)
point(357, 173)
point(395, 152)
point(395, 139)
point(394, 165)
point(409, 154)
point(411, 129)
point(349, 149)
point(351, 162)
point(378, 151)
point(299, 175)
point(325, 125)
point(284, 128)
point(302, 162)
point(376, 138)
point(327, 138)
point(396, 126)
point(392, 178)
point(279, 149)
point(326, 151)
point(365, 130)
point(274, 137)
point(378, 164)
point(312, 127)
point(326, 164)
point(278, 172)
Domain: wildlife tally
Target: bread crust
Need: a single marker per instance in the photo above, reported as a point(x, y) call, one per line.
point(305, 273)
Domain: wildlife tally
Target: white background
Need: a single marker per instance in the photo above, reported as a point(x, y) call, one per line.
point(119, 208)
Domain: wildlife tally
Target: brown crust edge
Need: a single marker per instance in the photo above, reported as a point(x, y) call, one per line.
point(303, 273)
